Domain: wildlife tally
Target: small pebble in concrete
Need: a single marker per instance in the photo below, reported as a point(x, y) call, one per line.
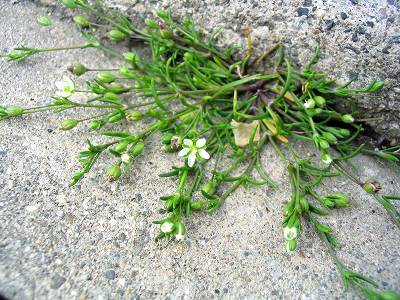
point(343, 15)
point(110, 274)
point(302, 11)
point(57, 281)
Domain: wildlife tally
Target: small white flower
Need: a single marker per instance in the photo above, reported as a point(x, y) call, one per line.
point(66, 87)
point(190, 150)
point(179, 237)
point(290, 233)
point(310, 103)
point(167, 227)
point(125, 158)
point(326, 159)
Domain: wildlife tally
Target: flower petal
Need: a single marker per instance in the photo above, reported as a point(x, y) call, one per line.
point(183, 152)
point(201, 143)
point(188, 143)
point(191, 159)
point(204, 154)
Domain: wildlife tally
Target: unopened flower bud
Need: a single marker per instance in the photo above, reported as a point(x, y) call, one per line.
point(344, 132)
point(161, 13)
point(111, 96)
point(68, 124)
point(340, 199)
point(106, 77)
point(130, 57)
point(320, 101)
point(166, 33)
point(291, 246)
point(180, 231)
point(114, 172)
point(137, 149)
point(195, 205)
point(166, 138)
point(129, 74)
point(121, 146)
point(116, 117)
point(347, 118)
point(117, 35)
point(209, 187)
point(151, 23)
point(304, 204)
point(329, 137)
point(133, 115)
point(96, 124)
point(309, 104)
point(81, 21)
point(14, 110)
point(326, 158)
point(389, 295)
point(167, 227)
point(77, 69)
point(44, 21)
point(125, 158)
point(69, 3)
point(323, 144)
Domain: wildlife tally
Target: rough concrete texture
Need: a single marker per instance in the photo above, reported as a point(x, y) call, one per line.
point(96, 241)
point(358, 39)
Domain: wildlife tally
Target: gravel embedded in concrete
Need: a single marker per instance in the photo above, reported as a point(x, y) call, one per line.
point(58, 242)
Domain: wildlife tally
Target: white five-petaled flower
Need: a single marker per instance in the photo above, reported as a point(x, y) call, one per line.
point(125, 158)
point(167, 227)
point(190, 150)
point(290, 233)
point(66, 87)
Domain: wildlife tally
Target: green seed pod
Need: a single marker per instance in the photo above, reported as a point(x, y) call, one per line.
point(324, 228)
point(196, 205)
point(151, 23)
point(341, 200)
point(69, 3)
point(115, 118)
point(133, 115)
point(166, 33)
point(96, 124)
point(344, 132)
point(44, 21)
point(161, 13)
point(137, 149)
point(121, 146)
point(166, 138)
point(328, 202)
point(117, 35)
point(77, 69)
point(329, 137)
point(68, 124)
point(111, 96)
point(14, 110)
point(291, 245)
point(106, 77)
point(209, 187)
point(347, 118)
point(323, 144)
point(187, 118)
point(130, 57)
point(304, 204)
point(114, 172)
point(81, 21)
point(124, 71)
point(320, 101)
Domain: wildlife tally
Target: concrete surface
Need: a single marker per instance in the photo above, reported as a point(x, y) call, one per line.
point(96, 241)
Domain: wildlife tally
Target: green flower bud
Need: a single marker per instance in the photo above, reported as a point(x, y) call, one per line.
point(114, 172)
point(347, 118)
point(111, 96)
point(151, 23)
point(133, 115)
point(130, 57)
point(81, 21)
point(336, 199)
point(168, 149)
point(323, 144)
point(121, 146)
point(69, 3)
point(68, 124)
point(161, 13)
point(209, 187)
point(166, 138)
point(187, 22)
point(44, 21)
point(196, 205)
point(320, 101)
point(124, 71)
point(329, 137)
point(291, 246)
point(375, 86)
point(188, 57)
point(304, 204)
point(326, 158)
point(106, 77)
point(77, 69)
point(309, 104)
point(187, 118)
point(116, 117)
point(328, 202)
point(166, 33)
point(117, 35)
point(344, 132)
point(324, 228)
point(96, 124)
point(137, 149)
point(14, 110)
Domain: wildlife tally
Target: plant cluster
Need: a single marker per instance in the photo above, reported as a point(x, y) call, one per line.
point(212, 103)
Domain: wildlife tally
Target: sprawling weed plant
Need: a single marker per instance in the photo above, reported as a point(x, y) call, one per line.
point(209, 102)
